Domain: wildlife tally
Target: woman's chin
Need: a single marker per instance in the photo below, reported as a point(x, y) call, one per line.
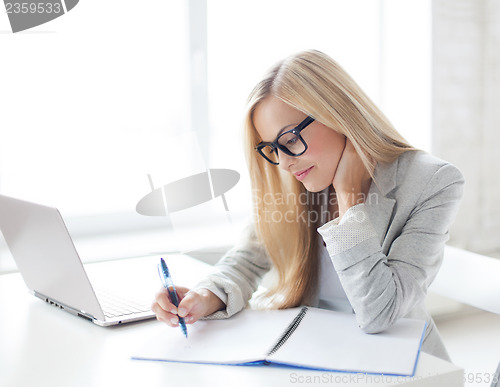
point(315, 186)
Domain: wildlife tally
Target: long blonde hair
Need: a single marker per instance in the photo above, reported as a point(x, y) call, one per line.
point(285, 214)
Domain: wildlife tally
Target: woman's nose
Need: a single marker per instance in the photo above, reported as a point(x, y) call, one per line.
point(286, 161)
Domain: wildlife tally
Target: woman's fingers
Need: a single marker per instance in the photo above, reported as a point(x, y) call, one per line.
point(164, 309)
point(191, 307)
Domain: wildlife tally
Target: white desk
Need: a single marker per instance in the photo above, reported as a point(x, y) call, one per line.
point(43, 346)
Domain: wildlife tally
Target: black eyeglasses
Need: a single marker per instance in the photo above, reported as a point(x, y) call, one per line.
point(289, 142)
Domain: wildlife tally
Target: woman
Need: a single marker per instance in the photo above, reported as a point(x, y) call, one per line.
point(348, 214)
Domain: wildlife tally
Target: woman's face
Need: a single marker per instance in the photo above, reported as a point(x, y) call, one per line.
point(315, 168)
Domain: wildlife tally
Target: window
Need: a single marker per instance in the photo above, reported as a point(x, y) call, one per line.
point(90, 102)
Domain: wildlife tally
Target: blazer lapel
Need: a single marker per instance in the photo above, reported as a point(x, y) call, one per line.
point(378, 205)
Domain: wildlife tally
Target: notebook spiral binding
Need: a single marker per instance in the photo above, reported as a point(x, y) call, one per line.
point(289, 330)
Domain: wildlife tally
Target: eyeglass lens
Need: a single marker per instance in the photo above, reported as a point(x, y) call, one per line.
point(270, 153)
point(288, 140)
point(292, 142)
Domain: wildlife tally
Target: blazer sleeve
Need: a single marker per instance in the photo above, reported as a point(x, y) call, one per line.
point(384, 287)
point(237, 275)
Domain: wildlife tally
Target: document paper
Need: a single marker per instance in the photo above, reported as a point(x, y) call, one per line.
point(300, 337)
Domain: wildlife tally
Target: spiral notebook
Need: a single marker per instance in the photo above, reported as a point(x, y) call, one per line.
point(300, 337)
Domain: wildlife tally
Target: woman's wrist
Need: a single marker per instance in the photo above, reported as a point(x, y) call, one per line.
point(212, 302)
point(348, 200)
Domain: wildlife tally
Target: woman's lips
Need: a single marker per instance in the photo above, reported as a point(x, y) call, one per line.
point(302, 174)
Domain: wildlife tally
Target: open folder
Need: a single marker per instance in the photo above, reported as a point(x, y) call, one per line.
point(299, 337)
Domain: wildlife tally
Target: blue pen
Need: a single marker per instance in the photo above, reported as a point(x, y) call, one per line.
point(169, 285)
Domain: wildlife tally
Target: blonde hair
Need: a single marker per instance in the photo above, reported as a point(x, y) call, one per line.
point(316, 85)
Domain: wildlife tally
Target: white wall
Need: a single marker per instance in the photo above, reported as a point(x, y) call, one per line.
point(466, 112)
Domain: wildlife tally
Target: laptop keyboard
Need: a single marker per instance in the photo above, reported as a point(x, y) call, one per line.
point(114, 306)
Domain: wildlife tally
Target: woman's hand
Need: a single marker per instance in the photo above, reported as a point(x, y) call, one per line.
point(192, 306)
point(351, 181)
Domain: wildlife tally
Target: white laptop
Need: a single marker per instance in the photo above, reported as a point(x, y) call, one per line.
point(51, 267)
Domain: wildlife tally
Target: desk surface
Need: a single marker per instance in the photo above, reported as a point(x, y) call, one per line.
point(43, 346)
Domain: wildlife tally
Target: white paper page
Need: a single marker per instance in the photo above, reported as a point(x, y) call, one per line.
point(333, 341)
point(245, 337)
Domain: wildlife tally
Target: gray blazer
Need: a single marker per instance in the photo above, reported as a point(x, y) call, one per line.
point(410, 207)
